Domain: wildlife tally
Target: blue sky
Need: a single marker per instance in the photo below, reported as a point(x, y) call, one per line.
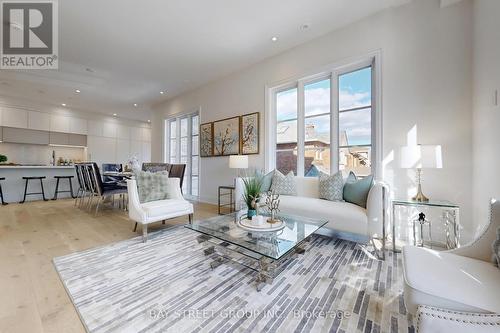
point(354, 91)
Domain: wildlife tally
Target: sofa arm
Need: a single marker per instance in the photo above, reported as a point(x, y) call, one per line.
point(239, 190)
point(377, 209)
point(135, 211)
point(435, 320)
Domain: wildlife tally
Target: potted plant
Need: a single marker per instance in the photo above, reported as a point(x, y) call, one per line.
point(3, 158)
point(251, 194)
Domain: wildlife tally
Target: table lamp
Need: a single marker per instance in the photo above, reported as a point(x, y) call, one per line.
point(238, 162)
point(421, 157)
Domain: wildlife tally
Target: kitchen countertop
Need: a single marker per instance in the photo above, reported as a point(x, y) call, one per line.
point(37, 167)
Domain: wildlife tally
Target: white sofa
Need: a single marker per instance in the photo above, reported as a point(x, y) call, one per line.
point(345, 219)
point(457, 290)
point(155, 211)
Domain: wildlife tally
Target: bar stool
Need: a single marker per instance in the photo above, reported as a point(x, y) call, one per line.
point(27, 179)
point(1, 192)
point(69, 178)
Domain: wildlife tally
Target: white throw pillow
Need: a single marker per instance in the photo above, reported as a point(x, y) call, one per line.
point(331, 187)
point(284, 185)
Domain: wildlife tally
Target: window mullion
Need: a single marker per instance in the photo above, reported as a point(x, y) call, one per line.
point(334, 123)
point(189, 158)
point(178, 140)
point(300, 129)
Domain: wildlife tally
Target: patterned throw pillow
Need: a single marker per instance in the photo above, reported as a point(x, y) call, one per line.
point(284, 185)
point(152, 186)
point(331, 187)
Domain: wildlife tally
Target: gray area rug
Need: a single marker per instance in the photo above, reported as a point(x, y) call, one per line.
point(167, 285)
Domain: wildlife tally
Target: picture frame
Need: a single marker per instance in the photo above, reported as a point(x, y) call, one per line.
point(250, 133)
point(207, 139)
point(226, 137)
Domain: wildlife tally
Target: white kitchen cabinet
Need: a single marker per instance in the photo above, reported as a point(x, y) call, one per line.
point(78, 126)
point(122, 150)
point(38, 121)
point(109, 130)
point(146, 152)
point(146, 134)
point(101, 150)
point(12, 117)
point(123, 132)
point(136, 133)
point(94, 128)
point(136, 149)
point(59, 123)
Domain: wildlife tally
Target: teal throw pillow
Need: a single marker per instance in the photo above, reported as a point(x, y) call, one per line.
point(267, 180)
point(152, 186)
point(356, 190)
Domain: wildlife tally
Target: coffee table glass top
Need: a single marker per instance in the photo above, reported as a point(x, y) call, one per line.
point(273, 245)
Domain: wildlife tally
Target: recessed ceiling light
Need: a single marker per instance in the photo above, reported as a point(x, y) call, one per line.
point(162, 92)
point(63, 104)
point(274, 39)
point(114, 114)
point(135, 104)
point(78, 91)
point(149, 121)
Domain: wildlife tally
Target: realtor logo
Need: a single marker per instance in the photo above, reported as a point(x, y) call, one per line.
point(29, 35)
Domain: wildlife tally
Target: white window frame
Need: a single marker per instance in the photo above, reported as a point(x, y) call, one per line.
point(333, 72)
point(167, 148)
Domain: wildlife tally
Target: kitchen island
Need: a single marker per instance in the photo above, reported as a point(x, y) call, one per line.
point(13, 185)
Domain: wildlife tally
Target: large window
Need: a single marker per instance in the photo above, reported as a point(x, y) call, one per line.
point(324, 123)
point(183, 147)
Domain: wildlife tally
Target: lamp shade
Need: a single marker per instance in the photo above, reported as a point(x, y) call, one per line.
point(421, 157)
point(238, 161)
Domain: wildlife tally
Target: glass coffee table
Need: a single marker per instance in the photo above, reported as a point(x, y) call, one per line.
point(267, 253)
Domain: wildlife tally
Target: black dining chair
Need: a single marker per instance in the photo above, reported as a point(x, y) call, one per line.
point(177, 171)
point(103, 190)
point(112, 167)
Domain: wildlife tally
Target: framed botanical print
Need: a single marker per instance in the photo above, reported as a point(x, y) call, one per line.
point(207, 140)
point(250, 133)
point(227, 137)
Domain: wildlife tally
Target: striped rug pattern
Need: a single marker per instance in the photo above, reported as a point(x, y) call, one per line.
point(167, 285)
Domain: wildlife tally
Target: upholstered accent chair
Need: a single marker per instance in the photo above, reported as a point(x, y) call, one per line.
point(155, 167)
point(160, 210)
point(174, 170)
point(457, 290)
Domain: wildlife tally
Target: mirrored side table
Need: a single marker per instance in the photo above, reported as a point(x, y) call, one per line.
point(449, 217)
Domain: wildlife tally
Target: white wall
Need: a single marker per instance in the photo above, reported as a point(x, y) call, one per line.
point(109, 139)
point(486, 114)
point(426, 84)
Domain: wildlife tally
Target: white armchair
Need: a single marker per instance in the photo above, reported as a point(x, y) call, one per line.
point(457, 290)
point(155, 211)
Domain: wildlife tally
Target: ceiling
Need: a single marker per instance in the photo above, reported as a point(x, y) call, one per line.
point(121, 52)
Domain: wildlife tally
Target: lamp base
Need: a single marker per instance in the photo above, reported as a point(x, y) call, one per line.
point(420, 197)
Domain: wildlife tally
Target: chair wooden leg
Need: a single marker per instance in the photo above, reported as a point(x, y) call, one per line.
point(135, 228)
point(144, 233)
point(163, 222)
point(190, 218)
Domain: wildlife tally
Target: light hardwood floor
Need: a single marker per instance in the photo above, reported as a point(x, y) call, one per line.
point(32, 298)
